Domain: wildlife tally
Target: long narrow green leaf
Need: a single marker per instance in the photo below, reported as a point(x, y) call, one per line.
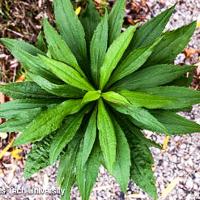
point(67, 74)
point(12, 43)
point(21, 104)
point(20, 121)
point(114, 54)
point(116, 17)
point(58, 48)
point(66, 172)
point(65, 134)
point(131, 131)
point(26, 54)
point(107, 136)
point(181, 96)
point(141, 158)
point(90, 19)
point(32, 63)
point(71, 29)
point(68, 158)
point(38, 158)
point(91, 96)
point(89, 137)
point(13, 125)
point(147, 100)
point(63, 90)
point(132, 62)
point(25, 89)
point(24, 108)
point(115, 97)
point(141, 169)
point(151, 30)
point(87, 174)
point(176, 124)
point(121, 170)
point(152, 76)
point(41, 43)
point(98, 48)
point(48, 121)
point(141, 117)
point(171, 45)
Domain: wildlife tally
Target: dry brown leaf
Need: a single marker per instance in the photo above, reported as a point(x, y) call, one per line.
point(21, 78)
point(16, 154)
point(170, 187)
point(198, 24)
point(165, 143)
point(136, 196)
point(190, 51)
point(4, 151)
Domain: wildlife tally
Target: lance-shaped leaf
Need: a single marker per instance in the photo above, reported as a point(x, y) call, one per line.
point(115, 97)
point(171, 45)
point(131, 131)
point(19, 120)
point(17, 114)
point(121, 169)
point(181, 96)
point(38, 158)
point(176, 124)
point(141, 117)
point(90, 19)
point(141, 158)
point(48, 121)
point(26, 54)
point(151, 30)
point(147, 100)
point(12, 43)
point(66, 73)
point(41, 43)
point(132, 62)
point(25, 89)
point(89, 137)
point(107, 136)
point(114, 54)
point(87, 173)
point(91, 96)
point(116, 17)
point(71, 29)
point(22, 104)
point(66, 171)
point(14, 125)
point(141, 168)
point(63, 90)
point(98, 48)
point(58, 48)
point(24, 108)
point(33, 64)
point(65, 134)
point(152, 76)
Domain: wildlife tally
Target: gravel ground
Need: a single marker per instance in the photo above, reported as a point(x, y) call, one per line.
point(178, 165)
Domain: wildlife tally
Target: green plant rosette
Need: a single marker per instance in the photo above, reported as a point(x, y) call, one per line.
point(91, 89)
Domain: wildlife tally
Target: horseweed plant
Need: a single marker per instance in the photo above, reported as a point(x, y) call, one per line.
point(90, 90)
